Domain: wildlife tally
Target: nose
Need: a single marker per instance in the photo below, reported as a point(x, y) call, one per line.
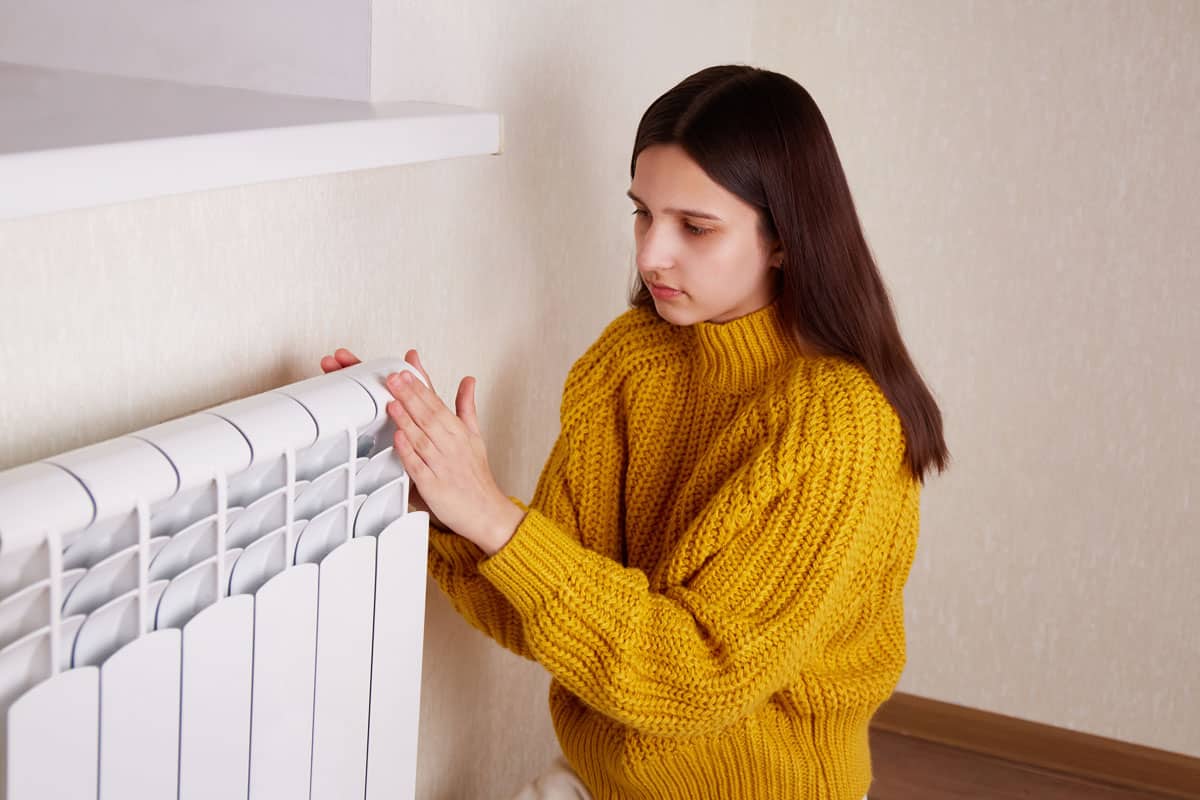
point(654, 251)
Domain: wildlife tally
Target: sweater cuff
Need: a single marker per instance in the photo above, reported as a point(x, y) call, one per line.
point(532, 567)
point(452, 547)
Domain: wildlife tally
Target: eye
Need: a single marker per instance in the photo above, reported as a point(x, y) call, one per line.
point(692, 229)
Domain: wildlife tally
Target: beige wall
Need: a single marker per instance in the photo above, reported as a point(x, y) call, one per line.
point(1023, 175)
point(1027, 176)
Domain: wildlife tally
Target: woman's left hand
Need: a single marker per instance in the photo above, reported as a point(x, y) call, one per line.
point(444, 455)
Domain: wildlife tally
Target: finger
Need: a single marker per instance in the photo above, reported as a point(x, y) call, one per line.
point(417, 436)
point(415, 360)
point(414, 465)
point(465, 405)
point(423, 405)
point(330, 364)
point(345, 357)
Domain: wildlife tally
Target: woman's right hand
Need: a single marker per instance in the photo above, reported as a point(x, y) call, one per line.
point(344, 358)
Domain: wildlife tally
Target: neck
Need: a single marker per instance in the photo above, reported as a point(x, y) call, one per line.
point(737, 355)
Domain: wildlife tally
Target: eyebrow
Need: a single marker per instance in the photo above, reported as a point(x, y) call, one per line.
point(687, 212)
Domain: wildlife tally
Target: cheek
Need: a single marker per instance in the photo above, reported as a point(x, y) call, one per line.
point(723, 267)
point(721, 257)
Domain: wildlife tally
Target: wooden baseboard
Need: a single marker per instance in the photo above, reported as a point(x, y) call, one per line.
point(1090, 757)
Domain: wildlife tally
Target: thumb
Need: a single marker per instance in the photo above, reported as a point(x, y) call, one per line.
point(465, 405)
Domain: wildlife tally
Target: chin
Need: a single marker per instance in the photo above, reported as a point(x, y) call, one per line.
point(674, 315)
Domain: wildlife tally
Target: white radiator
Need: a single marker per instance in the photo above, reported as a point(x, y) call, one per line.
point(227, 605)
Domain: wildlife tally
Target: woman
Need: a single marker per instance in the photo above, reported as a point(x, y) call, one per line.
point(713, 562)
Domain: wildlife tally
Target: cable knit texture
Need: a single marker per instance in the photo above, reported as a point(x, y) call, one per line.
point(712, 565)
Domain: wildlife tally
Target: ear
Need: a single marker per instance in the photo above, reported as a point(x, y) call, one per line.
point(777, 256)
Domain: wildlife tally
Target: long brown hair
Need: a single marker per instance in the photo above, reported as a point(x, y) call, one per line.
point(760, 135)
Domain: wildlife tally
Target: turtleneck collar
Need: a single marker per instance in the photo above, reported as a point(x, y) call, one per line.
point(737, 355)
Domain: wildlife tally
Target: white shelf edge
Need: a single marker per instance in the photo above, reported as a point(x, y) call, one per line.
point(73, 140)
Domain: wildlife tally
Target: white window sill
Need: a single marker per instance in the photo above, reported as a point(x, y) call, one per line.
point(76, 139)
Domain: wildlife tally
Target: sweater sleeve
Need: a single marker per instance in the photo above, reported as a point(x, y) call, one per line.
point(694, 658)
point(453, 563)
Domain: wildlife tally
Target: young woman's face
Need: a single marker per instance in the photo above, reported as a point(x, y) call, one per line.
point(694, 236)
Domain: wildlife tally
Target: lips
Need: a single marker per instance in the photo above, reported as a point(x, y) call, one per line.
point(660, 293)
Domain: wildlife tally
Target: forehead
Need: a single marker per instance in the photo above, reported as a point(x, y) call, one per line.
point(666, 175)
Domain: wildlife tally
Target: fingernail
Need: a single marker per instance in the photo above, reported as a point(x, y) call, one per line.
point(406, 377)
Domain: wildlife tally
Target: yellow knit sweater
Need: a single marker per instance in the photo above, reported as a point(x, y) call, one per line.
point(712, 565)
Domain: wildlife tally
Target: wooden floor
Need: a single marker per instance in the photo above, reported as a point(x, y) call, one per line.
point(912, 769)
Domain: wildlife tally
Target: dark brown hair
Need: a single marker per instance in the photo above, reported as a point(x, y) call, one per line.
point(760, 135)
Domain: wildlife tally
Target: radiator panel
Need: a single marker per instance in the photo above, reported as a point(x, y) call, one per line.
point(54, 738)
point(214, 718)
point(285, 638)
point(399, 612)
point(345, 607)
point(139, 718)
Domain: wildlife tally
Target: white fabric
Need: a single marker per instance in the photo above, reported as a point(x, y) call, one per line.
point(558, 782)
